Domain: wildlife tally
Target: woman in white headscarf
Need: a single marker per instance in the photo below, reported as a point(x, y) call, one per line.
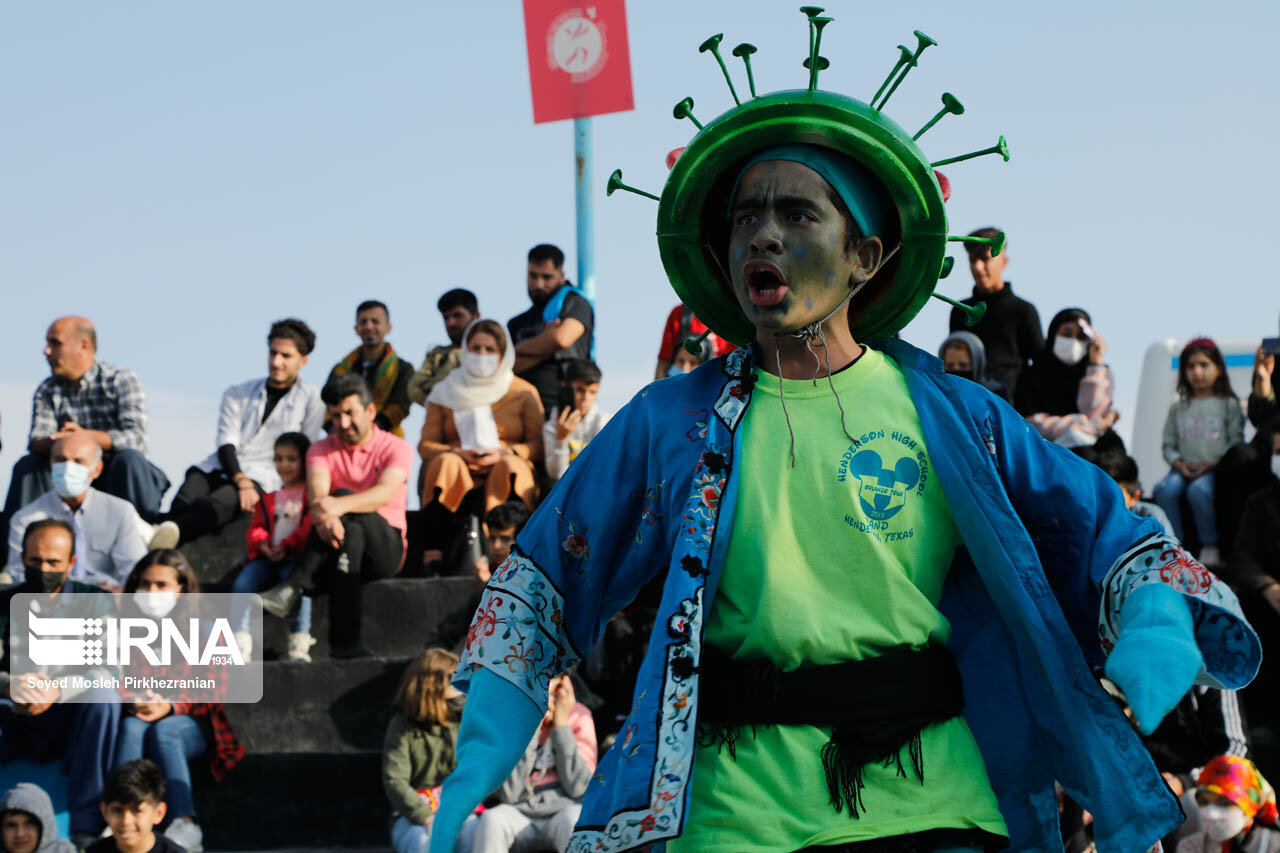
point(484, 426)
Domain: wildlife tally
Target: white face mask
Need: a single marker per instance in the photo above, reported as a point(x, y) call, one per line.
point(1070, 350)
point(1222, 823)
point(156, 604)
point(481, 365)
point(1275, 464)
point(70, 479)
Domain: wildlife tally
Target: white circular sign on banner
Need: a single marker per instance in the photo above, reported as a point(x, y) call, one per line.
point(576, 44)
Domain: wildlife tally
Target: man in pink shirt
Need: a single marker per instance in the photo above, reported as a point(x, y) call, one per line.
point(356, 489)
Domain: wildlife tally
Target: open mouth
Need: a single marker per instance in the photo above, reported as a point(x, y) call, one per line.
point(765, 281)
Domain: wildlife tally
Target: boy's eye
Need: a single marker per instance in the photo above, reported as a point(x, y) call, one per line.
point(747, 219)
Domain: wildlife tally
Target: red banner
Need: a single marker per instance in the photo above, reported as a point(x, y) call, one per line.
point(579, 64)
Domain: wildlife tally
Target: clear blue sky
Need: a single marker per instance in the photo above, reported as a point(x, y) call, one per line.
point(183, 174)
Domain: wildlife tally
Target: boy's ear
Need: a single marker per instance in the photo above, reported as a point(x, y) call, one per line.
point(160, 810)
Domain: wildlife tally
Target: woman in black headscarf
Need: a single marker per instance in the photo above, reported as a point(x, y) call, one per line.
point(1066, 394)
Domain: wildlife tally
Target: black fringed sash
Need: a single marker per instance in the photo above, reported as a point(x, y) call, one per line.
point(874, 708)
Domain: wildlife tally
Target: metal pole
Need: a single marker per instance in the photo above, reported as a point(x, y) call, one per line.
point(582, 198)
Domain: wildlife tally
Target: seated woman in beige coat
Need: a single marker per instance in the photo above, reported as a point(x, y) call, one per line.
point(484, 426)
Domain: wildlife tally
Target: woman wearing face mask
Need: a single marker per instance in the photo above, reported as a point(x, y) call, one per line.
point(483, 426)
point(171, 733)
point(1237, 810)
point(685, 361)
point(1066, 394)
point(418, 751)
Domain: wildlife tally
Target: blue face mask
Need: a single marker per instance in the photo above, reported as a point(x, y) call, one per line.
point(70, 479)
point(675, 370)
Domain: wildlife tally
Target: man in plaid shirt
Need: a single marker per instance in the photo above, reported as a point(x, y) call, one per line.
point(94, 398)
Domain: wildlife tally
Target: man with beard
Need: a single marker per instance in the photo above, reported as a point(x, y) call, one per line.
point(458, 308)
point(881, 589)
point(557, 328)
point(356, 493)
point(375, 360)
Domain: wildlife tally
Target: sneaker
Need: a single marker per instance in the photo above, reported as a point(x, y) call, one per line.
point(186, 832)
point(244, 641)
point(300, 647)
point(1210, 557)
point(165, 537)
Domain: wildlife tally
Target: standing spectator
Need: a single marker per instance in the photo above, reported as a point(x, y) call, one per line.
point(963, 354)
point(542, 798)
point(1201, 425)
point(483, 426)
point(167, 730)
point(27, 822)
point(102, 401)
point(253, 415)
point(386, 373)
point(557, 328)
point(1068, 389)
point(1237, 809)
point(459, 309)
point(570, 428)
point(1243, 469)
point(1010, 330)
point(277, 535)
point(681, 325)
point(110, 536)
point(356, 489)
point(42, 723)
point(418, 750)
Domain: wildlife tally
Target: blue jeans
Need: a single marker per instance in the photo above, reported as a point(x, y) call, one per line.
point(261, 574)
point(170, 742)
point(409, 837)
point(1199, 492)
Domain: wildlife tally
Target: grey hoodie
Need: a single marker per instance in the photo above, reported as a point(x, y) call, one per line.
point(978, 360)
point(25, 797)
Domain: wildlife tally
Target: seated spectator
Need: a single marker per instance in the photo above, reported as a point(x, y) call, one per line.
point(27, 823)
point(1237, 809)
point(386, 373)
point(418, 750)
point(356, 491)
point(40, 722)
point(1124, 470)
point(1010, 330)
point(1201, 425)
point(556, 329)
point(133, 805)
point(680, 326)
point(110, 536)
point(542, 798)
point(253, 415)
point(458, 308)
point(570, 428)
point(277, 535)
point(483, 427)
point(502, 525)
point(691, 354)
point(963, 354)
point(1243, 469)
point(105, 403)
point(1066, 394)
point(166, 729)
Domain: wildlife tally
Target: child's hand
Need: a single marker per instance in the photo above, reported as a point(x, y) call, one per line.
point(274, 553)
point(1263, 365)
point(569, 420)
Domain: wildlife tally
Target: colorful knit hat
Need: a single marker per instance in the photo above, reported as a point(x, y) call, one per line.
point(1238, 780)
point(692, 228)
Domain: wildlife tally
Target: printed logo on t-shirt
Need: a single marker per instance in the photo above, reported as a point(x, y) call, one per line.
point(886, 468)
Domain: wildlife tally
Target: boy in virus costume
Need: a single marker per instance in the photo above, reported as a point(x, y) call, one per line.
point(883, 590)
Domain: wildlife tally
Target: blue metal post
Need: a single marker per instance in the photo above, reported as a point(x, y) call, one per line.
point(586, 228)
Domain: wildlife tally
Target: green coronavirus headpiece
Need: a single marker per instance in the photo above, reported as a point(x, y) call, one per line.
point(692, 220)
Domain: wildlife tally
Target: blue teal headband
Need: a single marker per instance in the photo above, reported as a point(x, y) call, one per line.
point(861, 193)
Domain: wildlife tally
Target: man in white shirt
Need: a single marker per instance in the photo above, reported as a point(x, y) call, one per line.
point(110, 535)
point(253, 415)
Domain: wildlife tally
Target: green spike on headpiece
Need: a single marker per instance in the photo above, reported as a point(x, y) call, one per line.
point(972, 313)
point(744, 51)
point(922, 41)
point(816, 63)
point(950, 105)
point(1001, 148)
point(615, 183)
point(684, 109)
point(713, 44)
point(904, 56)
point(823, 63)
point(996, 243)
point(693, 346)
point(947, 263)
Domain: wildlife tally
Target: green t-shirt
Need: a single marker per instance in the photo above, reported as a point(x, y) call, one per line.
point(840, 558)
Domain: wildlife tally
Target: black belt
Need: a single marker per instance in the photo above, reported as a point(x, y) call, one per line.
point(874, 708)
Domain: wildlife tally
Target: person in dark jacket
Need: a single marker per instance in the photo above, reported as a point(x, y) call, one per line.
point(1068, 390)
point(1010, 330)
point(27, 823)
point(1243, 469)
point(963, 354)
